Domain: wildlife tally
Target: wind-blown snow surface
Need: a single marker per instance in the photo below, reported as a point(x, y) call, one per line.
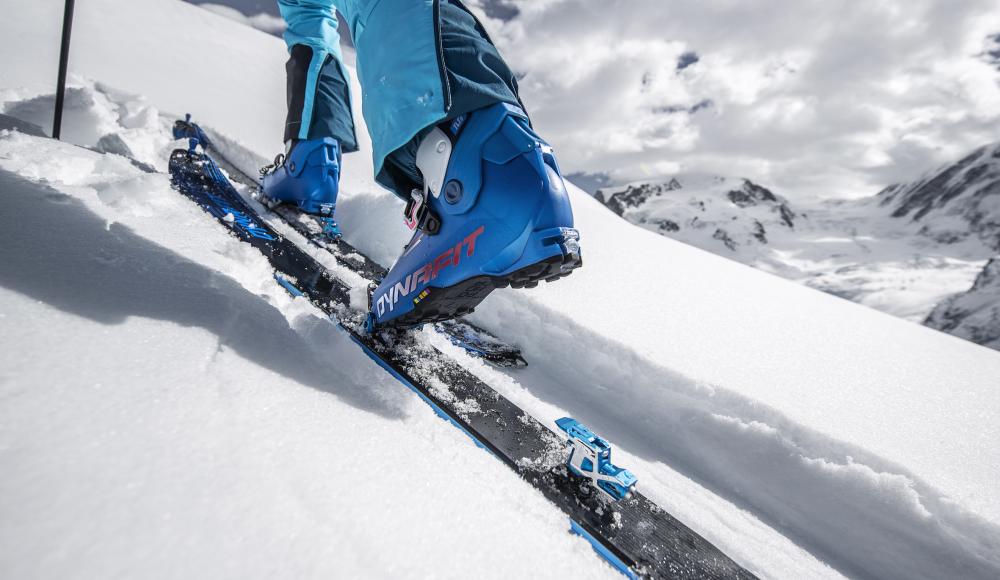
point(795, 430)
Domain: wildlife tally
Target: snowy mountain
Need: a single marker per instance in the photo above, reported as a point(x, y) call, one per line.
point(704, 211)
point(170, 411)
point(955, 202)
point(973, 315)
point(903, 251)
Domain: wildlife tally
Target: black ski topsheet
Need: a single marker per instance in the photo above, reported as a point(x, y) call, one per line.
point(634, 535)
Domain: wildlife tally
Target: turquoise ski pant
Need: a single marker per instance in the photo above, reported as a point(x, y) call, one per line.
point(419, 63)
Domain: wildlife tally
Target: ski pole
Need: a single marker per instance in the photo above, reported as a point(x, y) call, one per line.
point(63, 63)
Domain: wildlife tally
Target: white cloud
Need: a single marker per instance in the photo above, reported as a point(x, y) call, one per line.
point(833, 97)
point(264, 22)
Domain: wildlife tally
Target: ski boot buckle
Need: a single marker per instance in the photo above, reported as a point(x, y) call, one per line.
point(418, 214)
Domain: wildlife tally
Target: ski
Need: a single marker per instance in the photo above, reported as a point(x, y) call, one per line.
point(476, 341)
point(633, 534)
point(480, 343)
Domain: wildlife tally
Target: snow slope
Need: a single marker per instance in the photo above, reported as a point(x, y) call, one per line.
point(804, 435)
point(170, 412)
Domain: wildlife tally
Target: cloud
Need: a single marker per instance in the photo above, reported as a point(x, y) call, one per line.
point(837, 97)
point(268, 23)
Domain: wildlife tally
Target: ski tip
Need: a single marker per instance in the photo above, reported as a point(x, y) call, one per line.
point(515, 362)
point(186, 129)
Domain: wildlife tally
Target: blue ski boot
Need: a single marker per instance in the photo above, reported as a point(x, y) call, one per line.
point(308, 177)
point(494, 212)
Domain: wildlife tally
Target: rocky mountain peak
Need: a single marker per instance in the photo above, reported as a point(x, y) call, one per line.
point(634, 195)
point(973, 315)
point(751, 194)
point(703, 211)
point(968, 190)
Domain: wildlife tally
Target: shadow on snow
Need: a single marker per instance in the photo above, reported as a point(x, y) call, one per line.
point(54, 249)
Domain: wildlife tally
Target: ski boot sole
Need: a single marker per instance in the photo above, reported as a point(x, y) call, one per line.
point(440, 304)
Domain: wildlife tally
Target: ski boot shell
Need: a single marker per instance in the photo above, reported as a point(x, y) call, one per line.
point(308, 177)
point(498, 216)
point(590, 458)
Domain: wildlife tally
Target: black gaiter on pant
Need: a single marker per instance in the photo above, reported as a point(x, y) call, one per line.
point(329, 109)
point(477, 77)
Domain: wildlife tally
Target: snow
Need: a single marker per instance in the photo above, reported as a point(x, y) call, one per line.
point(261, 21)
point(840, 369)
point(773, 444)
point(172, 412)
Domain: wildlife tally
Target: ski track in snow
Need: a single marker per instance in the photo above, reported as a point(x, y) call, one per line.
point(161, 454)
point(860, 513)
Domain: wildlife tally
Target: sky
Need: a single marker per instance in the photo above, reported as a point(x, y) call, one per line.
point(811, 98)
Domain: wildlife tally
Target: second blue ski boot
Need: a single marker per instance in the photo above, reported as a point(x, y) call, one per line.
point(494, 212)
point(308, 177)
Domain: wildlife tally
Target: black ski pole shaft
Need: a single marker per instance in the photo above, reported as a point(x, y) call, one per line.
point(67, 28)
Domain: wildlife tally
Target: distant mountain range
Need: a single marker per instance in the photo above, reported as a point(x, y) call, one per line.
point(975, 314)
point(738, 214)
point(952, 204)
point(928, 251)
